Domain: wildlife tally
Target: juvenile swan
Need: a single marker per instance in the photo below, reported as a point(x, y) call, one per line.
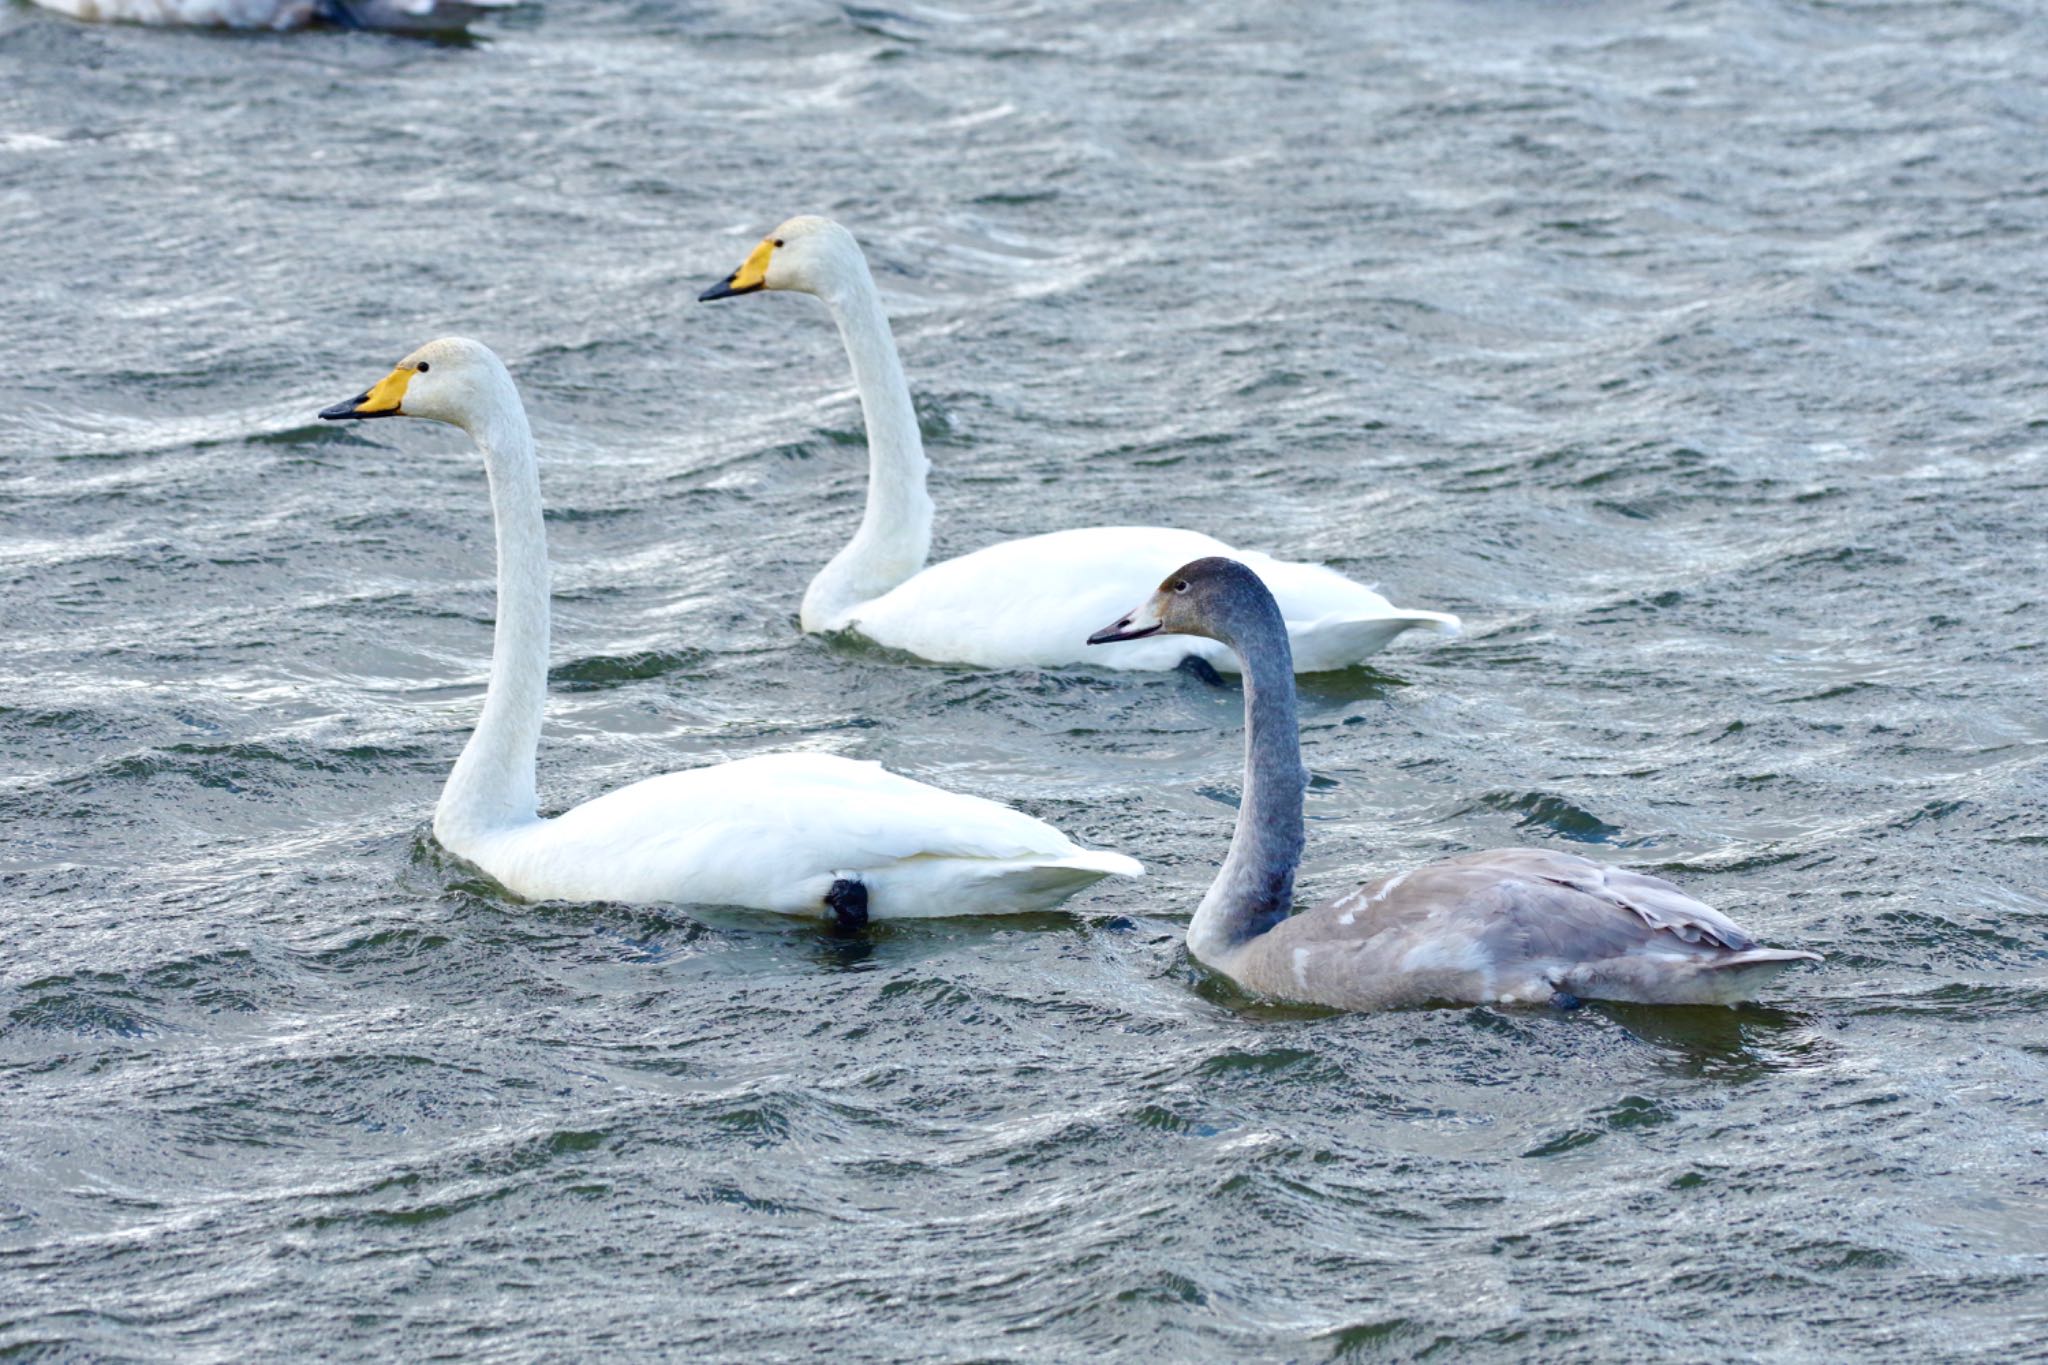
point(803, 834)
point(1021, 602)
point(1516, 925)
point(404, 16)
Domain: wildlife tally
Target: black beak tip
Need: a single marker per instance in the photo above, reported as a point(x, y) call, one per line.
point(1109, 634)
point(722, 290)
point(341, 412)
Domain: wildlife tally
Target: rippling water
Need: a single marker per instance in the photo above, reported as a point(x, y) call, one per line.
point(1691, 352)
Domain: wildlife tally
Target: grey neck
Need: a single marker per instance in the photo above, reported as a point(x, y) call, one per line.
point(1254, 889)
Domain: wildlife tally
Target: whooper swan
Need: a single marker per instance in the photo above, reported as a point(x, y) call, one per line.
point(802, 834)
point(1024, 602)
point(1513, 926)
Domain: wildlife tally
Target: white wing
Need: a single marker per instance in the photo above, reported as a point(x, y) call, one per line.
point(1035, 601)
point(774, 832)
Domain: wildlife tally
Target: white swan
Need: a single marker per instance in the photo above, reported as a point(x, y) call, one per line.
point(802, 834)
point(404, 16)
point(1512, 925)
point(1021, 602)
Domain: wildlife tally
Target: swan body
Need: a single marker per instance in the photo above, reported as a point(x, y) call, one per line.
point(799, 833)
point(1507, 926)
point(776, 831)
point(1027, 602)
point(1024, 603)
point(405, 16)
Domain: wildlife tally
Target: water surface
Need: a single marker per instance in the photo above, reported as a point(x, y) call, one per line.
point(1691, 352)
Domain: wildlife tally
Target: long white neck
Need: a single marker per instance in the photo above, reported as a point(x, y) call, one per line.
point(492, 785)
point(1254, 889)
point(895, 533)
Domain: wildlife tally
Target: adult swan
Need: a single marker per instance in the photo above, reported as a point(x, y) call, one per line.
point(1020, 602)
point(803, 834)
point(1515, 925)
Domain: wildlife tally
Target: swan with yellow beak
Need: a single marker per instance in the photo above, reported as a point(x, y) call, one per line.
point(798, 833)
point(386, 398)
point(1018, 603)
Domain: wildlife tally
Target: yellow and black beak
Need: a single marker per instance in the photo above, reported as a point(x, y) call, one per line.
point(387, 399)
point(752, 275)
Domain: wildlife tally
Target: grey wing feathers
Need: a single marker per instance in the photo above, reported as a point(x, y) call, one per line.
point(1513, 924)
point(1547, 921)
point(1660, 906)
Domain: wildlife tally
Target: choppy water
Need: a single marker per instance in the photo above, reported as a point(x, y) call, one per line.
point(1692, 352)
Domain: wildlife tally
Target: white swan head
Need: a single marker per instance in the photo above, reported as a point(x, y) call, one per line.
point(453, 380)
point(1212, 597)
point(809, 254)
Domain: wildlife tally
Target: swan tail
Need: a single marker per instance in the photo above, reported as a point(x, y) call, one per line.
point(1437, 622)
point(1055, 879)
point(1342, 641)
point(921, 888)
point(1105, 863)
point(1721, 979)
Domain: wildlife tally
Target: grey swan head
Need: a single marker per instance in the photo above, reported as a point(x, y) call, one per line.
point(1507, 926)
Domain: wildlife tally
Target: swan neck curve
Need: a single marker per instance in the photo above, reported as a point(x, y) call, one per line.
point(1254, 889)
point(895, 533)
point(491, 787)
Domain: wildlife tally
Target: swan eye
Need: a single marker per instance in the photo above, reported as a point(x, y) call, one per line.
point(421, 368)
point(1180, 585)
point(778, 241)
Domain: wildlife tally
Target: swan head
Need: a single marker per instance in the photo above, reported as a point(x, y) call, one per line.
point(1211, 597)
point(453, 380)
point(809, 254)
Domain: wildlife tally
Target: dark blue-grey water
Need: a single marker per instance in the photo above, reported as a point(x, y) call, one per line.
point(1692, 351)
